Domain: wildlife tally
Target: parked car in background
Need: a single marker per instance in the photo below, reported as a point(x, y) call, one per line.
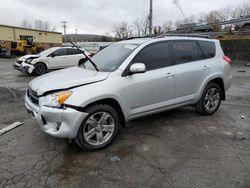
point(244, 25)
point(194, 27)
point(51, 59)
point(128, 80)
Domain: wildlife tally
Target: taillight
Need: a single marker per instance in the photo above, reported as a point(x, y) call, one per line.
point(227, 59)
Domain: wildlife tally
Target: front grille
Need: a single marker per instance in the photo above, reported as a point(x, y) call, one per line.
point(19, 62)
point(33, 96)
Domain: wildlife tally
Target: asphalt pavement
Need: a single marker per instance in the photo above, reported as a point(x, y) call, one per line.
point(177, 148)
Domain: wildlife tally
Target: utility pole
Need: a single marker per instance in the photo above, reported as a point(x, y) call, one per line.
point(64, 29)
point(150, 18)
point(76, 36)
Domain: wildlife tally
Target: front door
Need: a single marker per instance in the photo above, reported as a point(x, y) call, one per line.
point(59, 59)
point(155, 88)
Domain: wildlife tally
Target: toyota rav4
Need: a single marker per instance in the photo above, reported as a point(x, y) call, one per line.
point(128, 80)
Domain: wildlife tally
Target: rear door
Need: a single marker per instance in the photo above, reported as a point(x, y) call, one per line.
point(155, 88)
point(191, 68)
point(74, 56)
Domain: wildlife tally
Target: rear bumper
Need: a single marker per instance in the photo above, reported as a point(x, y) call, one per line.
point(60, 123)
point(227, 82)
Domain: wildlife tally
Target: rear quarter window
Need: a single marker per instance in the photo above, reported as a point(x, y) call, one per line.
point(207, 48)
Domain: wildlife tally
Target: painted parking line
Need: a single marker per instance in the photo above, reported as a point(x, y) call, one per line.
point(10, 127)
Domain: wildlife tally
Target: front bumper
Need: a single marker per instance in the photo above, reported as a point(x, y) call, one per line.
point(60, 123)
point(24, 67)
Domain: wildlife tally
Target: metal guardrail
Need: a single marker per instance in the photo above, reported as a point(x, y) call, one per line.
point(207, 26)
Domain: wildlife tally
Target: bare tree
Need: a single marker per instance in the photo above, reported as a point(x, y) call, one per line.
point(26, 24)
point(122, 30)
point(225, 13)
point(168, 26)
point(46, 26)
point(145, 27)
point(38, 25)
point(54, 29)
point(138, 27)
point(214, 18)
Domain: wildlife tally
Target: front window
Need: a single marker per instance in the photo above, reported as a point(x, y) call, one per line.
point(111, 57)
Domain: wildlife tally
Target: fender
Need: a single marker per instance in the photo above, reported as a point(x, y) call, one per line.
point(206, 81)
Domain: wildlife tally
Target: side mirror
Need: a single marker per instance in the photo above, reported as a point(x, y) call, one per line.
point(137, 68)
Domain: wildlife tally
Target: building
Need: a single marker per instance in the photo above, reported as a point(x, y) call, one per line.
point(46, 39)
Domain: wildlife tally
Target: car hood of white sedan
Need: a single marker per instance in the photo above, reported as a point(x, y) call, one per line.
point(23, 58)
point(65, 79)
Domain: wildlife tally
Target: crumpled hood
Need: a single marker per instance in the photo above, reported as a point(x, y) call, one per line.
point(64, 79)
point(23, 58)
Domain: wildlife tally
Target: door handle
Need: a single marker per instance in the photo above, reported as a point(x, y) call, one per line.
point(206, 68)
point(169, 75)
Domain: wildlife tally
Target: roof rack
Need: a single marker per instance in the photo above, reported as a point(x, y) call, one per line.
point(183, 35)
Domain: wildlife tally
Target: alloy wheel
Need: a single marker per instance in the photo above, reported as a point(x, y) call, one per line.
point(99, 128)
point(212, 99)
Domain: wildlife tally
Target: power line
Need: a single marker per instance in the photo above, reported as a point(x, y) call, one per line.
point(95, 11)
point(177, 3)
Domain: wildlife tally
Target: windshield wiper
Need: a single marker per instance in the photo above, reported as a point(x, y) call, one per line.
point(88, 58)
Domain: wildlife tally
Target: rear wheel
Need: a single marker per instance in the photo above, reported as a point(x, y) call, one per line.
point(99, 128)
point(246, 28)
point(210, 100)
point(40, 69)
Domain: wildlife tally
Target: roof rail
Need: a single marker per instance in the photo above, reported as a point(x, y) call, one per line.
point(183, 35)
point(143, 37)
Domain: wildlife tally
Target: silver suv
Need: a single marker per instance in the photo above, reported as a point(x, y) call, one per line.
point(128, 80)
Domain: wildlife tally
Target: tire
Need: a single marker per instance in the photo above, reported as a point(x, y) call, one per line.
point(40, 69)
point(93, 127)
point(210, 100)
point(246, 28)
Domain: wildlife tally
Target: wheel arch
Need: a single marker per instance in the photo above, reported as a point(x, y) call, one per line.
point(111, 102)
point(215, 79)
point(219, 81)
point(244, 25)
point(40, 62)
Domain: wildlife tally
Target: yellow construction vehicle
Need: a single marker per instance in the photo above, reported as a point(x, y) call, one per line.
point(4, 51)
point(21, 47)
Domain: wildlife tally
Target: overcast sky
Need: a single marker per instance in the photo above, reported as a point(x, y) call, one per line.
point(98, 16)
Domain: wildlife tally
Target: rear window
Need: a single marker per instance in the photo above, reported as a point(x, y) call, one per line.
point(208, 49)
point(72, 51)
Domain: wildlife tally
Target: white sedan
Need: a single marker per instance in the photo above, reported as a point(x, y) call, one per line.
point(51, 59)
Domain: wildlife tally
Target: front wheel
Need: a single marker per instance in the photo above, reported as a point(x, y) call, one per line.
point(99, 128)
point(210, 100)
point(40, 69)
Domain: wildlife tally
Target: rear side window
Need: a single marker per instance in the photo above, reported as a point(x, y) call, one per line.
point(185, 51)
point(208, 49)
point(154, 56)
point(73, 51)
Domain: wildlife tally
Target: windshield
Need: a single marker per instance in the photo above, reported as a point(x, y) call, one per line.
point(47, 52)
point(111, 57)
